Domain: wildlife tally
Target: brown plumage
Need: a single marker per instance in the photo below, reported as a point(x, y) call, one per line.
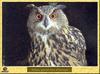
point(53, 41)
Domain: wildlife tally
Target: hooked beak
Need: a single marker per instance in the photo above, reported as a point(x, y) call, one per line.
point(46, 22)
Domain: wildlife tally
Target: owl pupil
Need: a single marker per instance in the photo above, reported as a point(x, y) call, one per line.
point(53, 16)
point(39, 16)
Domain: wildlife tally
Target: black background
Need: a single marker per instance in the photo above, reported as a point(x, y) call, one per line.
point(16, 40)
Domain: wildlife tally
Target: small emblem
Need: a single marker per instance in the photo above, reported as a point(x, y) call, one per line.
point(5, 69)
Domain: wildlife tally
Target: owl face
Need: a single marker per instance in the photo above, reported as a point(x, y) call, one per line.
point(46, 19)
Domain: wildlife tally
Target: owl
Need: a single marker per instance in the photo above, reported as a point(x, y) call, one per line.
point(53, 41)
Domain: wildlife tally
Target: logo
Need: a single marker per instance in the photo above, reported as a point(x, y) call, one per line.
point(5, 69)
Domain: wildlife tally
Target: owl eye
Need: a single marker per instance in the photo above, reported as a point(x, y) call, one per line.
point(39, 16)
point(53, 16)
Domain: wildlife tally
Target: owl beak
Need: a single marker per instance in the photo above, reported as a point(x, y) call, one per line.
point(46, 22)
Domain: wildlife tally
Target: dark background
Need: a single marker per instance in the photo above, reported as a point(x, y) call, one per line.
point(16, 41)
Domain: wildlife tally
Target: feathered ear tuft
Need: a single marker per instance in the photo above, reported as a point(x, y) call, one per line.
point(60, 6)
point(57, 6)
point(53, 4)
point(30, 5)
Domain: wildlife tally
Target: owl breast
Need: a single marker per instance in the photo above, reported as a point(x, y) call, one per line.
point(62, 49)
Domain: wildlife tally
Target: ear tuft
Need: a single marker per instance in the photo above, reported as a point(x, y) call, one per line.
point(53, 4)
point(60, 6)
point(30, 5)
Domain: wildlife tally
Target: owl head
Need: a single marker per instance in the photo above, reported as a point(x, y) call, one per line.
point(46, 20)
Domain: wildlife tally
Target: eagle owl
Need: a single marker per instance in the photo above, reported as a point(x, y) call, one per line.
point(53, 41)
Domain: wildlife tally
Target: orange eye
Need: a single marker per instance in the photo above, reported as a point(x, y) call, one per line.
point(53, 16)
point(39, 16)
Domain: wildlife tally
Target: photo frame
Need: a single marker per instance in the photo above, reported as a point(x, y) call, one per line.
point(14, 36)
